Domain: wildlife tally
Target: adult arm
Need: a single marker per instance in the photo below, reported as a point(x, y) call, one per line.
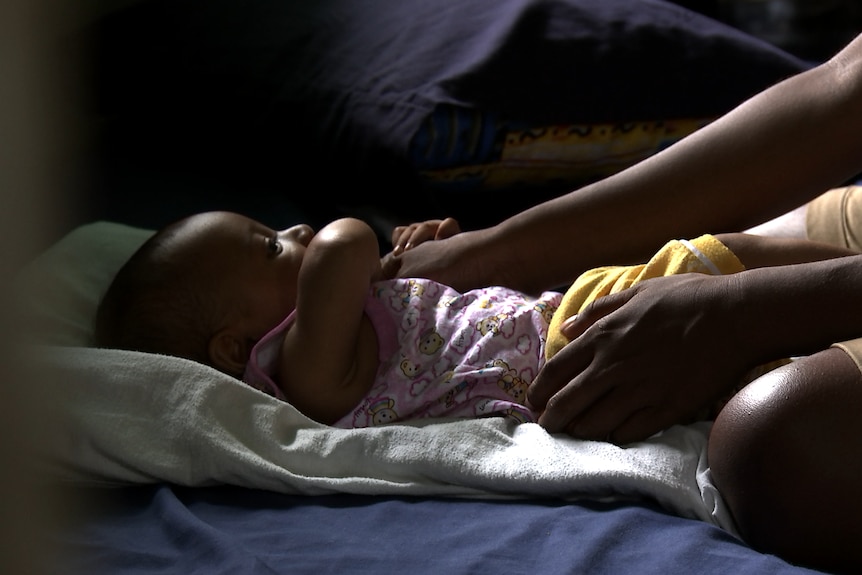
point(772, 153)
point(755, 251)
point(653, 355)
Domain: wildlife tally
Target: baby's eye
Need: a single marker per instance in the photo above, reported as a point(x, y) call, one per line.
point(273, 246)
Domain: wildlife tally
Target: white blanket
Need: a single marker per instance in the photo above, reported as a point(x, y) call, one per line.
point(134, 418)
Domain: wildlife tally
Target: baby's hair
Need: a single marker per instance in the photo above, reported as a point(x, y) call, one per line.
point(159, 303)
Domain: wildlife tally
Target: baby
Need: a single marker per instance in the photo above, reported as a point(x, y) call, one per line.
point(310, 319)
point(306, 318)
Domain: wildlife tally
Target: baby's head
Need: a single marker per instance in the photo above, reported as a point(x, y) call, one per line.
point(205, 288)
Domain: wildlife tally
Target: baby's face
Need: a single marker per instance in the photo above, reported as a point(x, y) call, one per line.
point(255, 267)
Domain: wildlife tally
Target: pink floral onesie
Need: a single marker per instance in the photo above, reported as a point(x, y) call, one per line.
point(442, 353)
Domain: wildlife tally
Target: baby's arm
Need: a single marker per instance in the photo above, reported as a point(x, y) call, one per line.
point(328, 358)
point(756, 251)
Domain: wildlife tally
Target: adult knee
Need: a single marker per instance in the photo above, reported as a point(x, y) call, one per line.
point(785, 455)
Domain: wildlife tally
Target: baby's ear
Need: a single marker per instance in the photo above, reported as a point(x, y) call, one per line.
point(229, 352)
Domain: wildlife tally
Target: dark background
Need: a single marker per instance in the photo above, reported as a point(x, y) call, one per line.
point(148, 181)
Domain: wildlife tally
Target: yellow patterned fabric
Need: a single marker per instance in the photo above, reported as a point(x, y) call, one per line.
point(571, 153)
point(702, 255)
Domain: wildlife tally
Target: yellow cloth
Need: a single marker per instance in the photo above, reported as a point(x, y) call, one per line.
point(708, 256)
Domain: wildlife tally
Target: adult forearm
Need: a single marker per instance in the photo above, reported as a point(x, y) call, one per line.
point(756, 251)
point(798, 309)
point(774, 152)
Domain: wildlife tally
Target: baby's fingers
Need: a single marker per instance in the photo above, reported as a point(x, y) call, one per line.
point(447, 228)
point(407, 237)
point(400, 238)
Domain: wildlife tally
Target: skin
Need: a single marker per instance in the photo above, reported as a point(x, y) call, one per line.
point(608, 405)
point(787, 436)
point(790, 474)
point(770, 446)
point(235, 256)
point(340, 264)
point(778, 150)
point(408, 237)
point(265, 274)
point(626, 379)
point(332, 341)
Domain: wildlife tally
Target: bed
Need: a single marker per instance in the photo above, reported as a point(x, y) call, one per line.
point(391, 110)
point(183, 469)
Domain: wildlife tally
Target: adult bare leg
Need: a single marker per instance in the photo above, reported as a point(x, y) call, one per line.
point(785, 454)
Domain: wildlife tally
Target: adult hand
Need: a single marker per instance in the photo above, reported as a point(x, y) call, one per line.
point(643, 359)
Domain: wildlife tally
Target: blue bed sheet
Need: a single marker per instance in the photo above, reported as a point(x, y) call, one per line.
point(164, 529)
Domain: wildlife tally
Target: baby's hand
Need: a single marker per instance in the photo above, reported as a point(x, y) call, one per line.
point(410, 236)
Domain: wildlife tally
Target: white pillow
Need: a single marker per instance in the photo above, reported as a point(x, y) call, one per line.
point(60, 290)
